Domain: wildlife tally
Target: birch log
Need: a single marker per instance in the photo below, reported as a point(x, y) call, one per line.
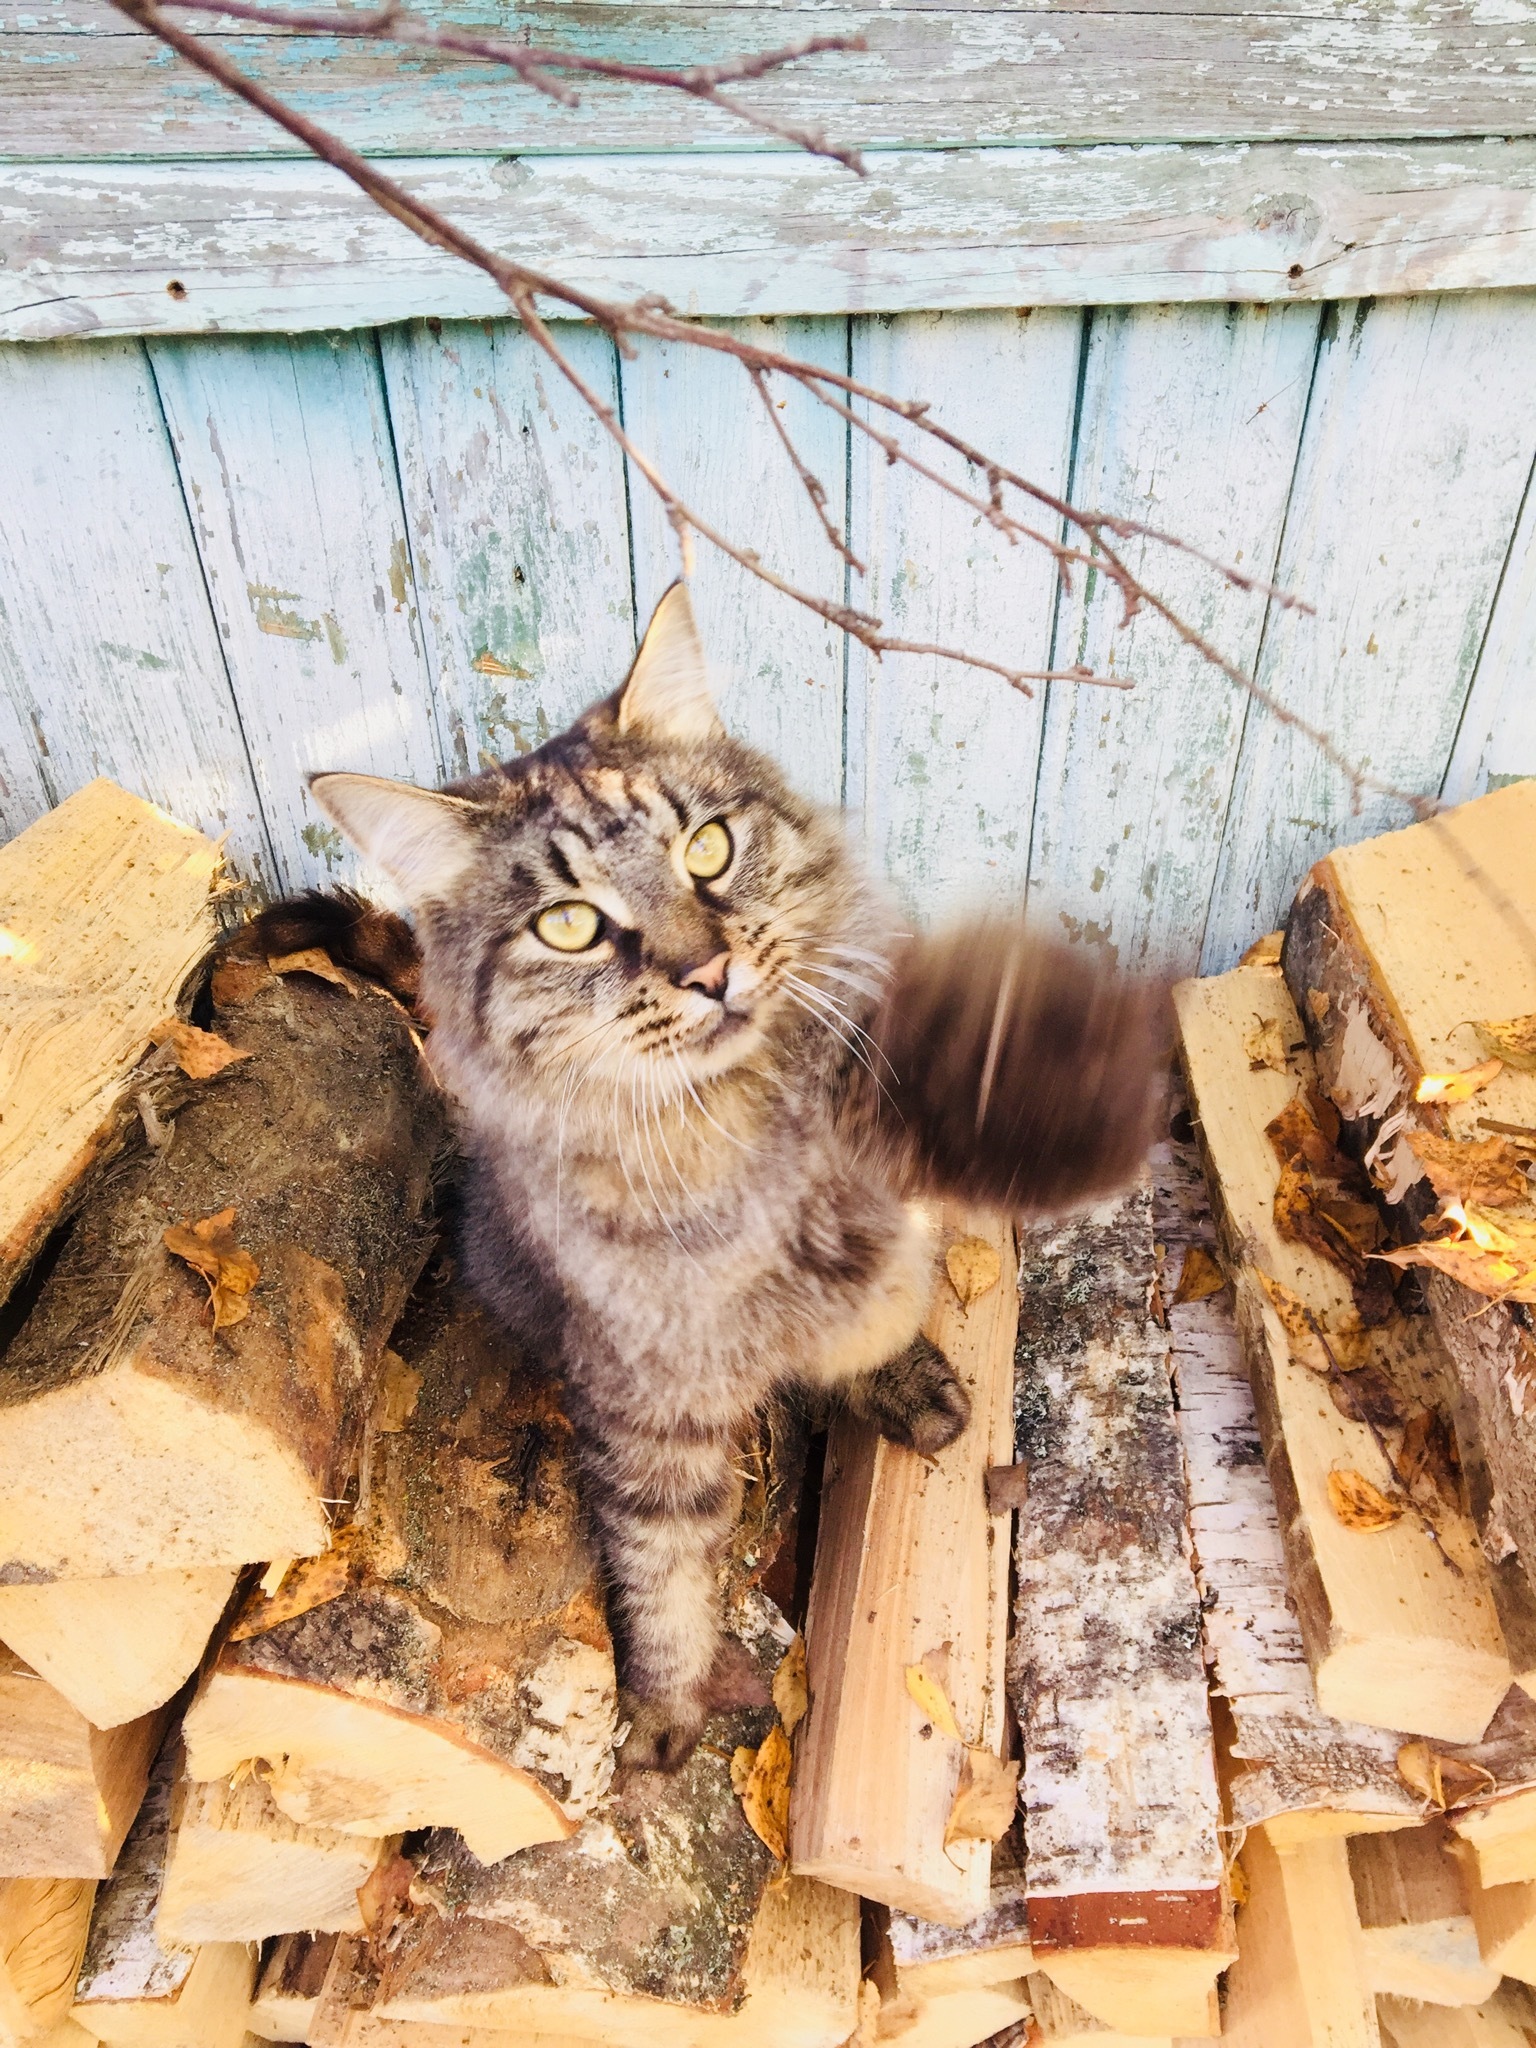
point(1128, 1910)
point(911, 1570)
point(1419, 1938)
point(68, 1791)
point(116, 1648)
point(43, 1925)
point(132, 1988)
point(928, 1957)
point(1394, 949)
point(1395, 1636)
point(450, 1664)
point(210, 1447)
point(105, 913)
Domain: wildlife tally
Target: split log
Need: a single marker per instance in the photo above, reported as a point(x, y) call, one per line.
point(911, 1570)
point(1502, 1838)
point(208, 1446)
point(1298, 1772)
point(106, 911)
point(286, 2000)
point(1128, 1910)
point(240, 1870)
point(460, 1673)
point(1394, 949)
point(1300, 1978)
point(134, 1990)
point(961, 2017)
point(927, 1957)
point(43, 1925)
point(1399, 1623)
point(1062, 2023)
point(1508, 2020)
point(116, 1648)
point(1418, 1933)
point(68, 1791)
point(1505, 1918)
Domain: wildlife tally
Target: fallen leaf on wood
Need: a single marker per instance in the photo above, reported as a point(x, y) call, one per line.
point(986, 1799)
point(1368, 1396)
point(1359, 1505)
point(228, 1268)
point(973, 1267)
point(790, 1693)
point(1442, 1781)
point(1302, 1332)
point(1430, 1460)
point(199, 1054)
point(384, 1896)
point(1513, 1041)
point(236, 976)
point(309, 1583)
point(1007, 1488)
point(764, 1790)
point(315, 960)
point(1199, 1276)
point(1319, 1002)
point(742, 1760)
point(1497, 1256)
point(1458, 1087)
point(1264, 952)
point(1264, 1045)
point(1237, 1883)
point(933, 1700)
point(1485, 1170)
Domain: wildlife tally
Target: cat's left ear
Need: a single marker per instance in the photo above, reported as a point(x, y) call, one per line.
point(666, 694)
point(422, 840)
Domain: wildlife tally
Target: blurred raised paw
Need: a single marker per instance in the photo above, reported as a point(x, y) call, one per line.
point(914, 1399)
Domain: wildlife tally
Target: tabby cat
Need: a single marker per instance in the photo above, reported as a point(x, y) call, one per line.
point(702, 1078)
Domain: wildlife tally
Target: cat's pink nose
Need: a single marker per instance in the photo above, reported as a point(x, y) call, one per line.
point(709, 975)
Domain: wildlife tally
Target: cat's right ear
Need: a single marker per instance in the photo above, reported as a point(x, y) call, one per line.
point(666, 695)
point(422, 840)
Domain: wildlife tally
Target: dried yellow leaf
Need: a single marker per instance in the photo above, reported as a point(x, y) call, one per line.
point(1302, 1333)
point(985, 1799)
point(1319, 1002)
point(1264, 1045)
point(1359, 1505)
point(764, 1794)
point(1513, 1041)
point(933, 1700)
point(1497, 1256)
point(1441, 1781)
point(742, 1760)
point(1237, 1884)
point(199, 1054)
point(973, 1267)
point(1264, 952)
point(1199, 1276)
point(228, 1268)
point(314, 960)
point(1483, 1170)
point(308, 1583)
point(790, 1693)
point(1457, 1087)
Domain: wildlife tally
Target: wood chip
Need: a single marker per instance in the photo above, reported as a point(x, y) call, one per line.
point(1007, 1488)
point(974, 1268)
point(1264, 952)
point(1319, 1002)
point(1360, 1505)
point(199, 1054)
point(790, 1695)
point(986, 1799)
point(228, 1268)
point(1458, 1087)
point(1199, 1276)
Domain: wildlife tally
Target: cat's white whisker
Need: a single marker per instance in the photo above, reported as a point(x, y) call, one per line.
point(741, 1143)
point(830, 1002)
point(661, 1216)
point(654, 1082)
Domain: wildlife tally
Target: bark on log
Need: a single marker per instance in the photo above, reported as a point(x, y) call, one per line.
point(134, 1990)
point(1128, 1910)
point(43, 1925)
point(1395, 1635)
point(911, 1570)
point(928, 1957)
point(68, 1791)
point(1393, 948)
point(116, 1648)
point(461, 1675)
point(213, 1447)
point(106, 911)
point(288, 1989)
point(1419, 1938)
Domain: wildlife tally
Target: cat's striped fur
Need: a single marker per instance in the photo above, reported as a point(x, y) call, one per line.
point(696, 1142)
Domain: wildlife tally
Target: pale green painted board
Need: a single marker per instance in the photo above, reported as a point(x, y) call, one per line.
point(1497, 739)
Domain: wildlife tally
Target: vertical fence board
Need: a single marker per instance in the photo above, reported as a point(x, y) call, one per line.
point(1190, 421)
point(1497, 740)
point(777, 667)
point(519, 529)
point(285, 449)
point(941, 759)
point(109, 660)
point(1418, 445)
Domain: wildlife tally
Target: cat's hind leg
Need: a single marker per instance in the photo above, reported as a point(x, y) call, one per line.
point(915, 1398)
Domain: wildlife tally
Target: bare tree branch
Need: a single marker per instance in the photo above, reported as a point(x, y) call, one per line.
point(858, 404)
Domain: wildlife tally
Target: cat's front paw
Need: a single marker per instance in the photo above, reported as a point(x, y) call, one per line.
point(914, 1399)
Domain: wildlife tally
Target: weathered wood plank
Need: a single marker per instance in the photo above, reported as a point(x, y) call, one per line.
point(929, 77)
point(941, 762)
point(277, 246)
point(109, 661)
point(1189, 414)
point(285, 453)
point(777, 669)
point(514, 496)
point(1496, 742)
point(1417, 450)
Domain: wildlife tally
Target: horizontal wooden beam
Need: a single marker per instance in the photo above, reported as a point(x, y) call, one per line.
point(929, 77)
point(279, 246)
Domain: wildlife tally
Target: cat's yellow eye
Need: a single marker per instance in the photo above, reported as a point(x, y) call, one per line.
point(569, 927)
point(708, 852)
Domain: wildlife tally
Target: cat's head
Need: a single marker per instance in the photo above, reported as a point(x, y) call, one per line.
point(642, 895)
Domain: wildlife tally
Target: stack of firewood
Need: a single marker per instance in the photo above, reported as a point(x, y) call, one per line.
point(1189, 1693)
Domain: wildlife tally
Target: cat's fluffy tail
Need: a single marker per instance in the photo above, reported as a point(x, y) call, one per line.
point(1014, 1072)
point(356, 933)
